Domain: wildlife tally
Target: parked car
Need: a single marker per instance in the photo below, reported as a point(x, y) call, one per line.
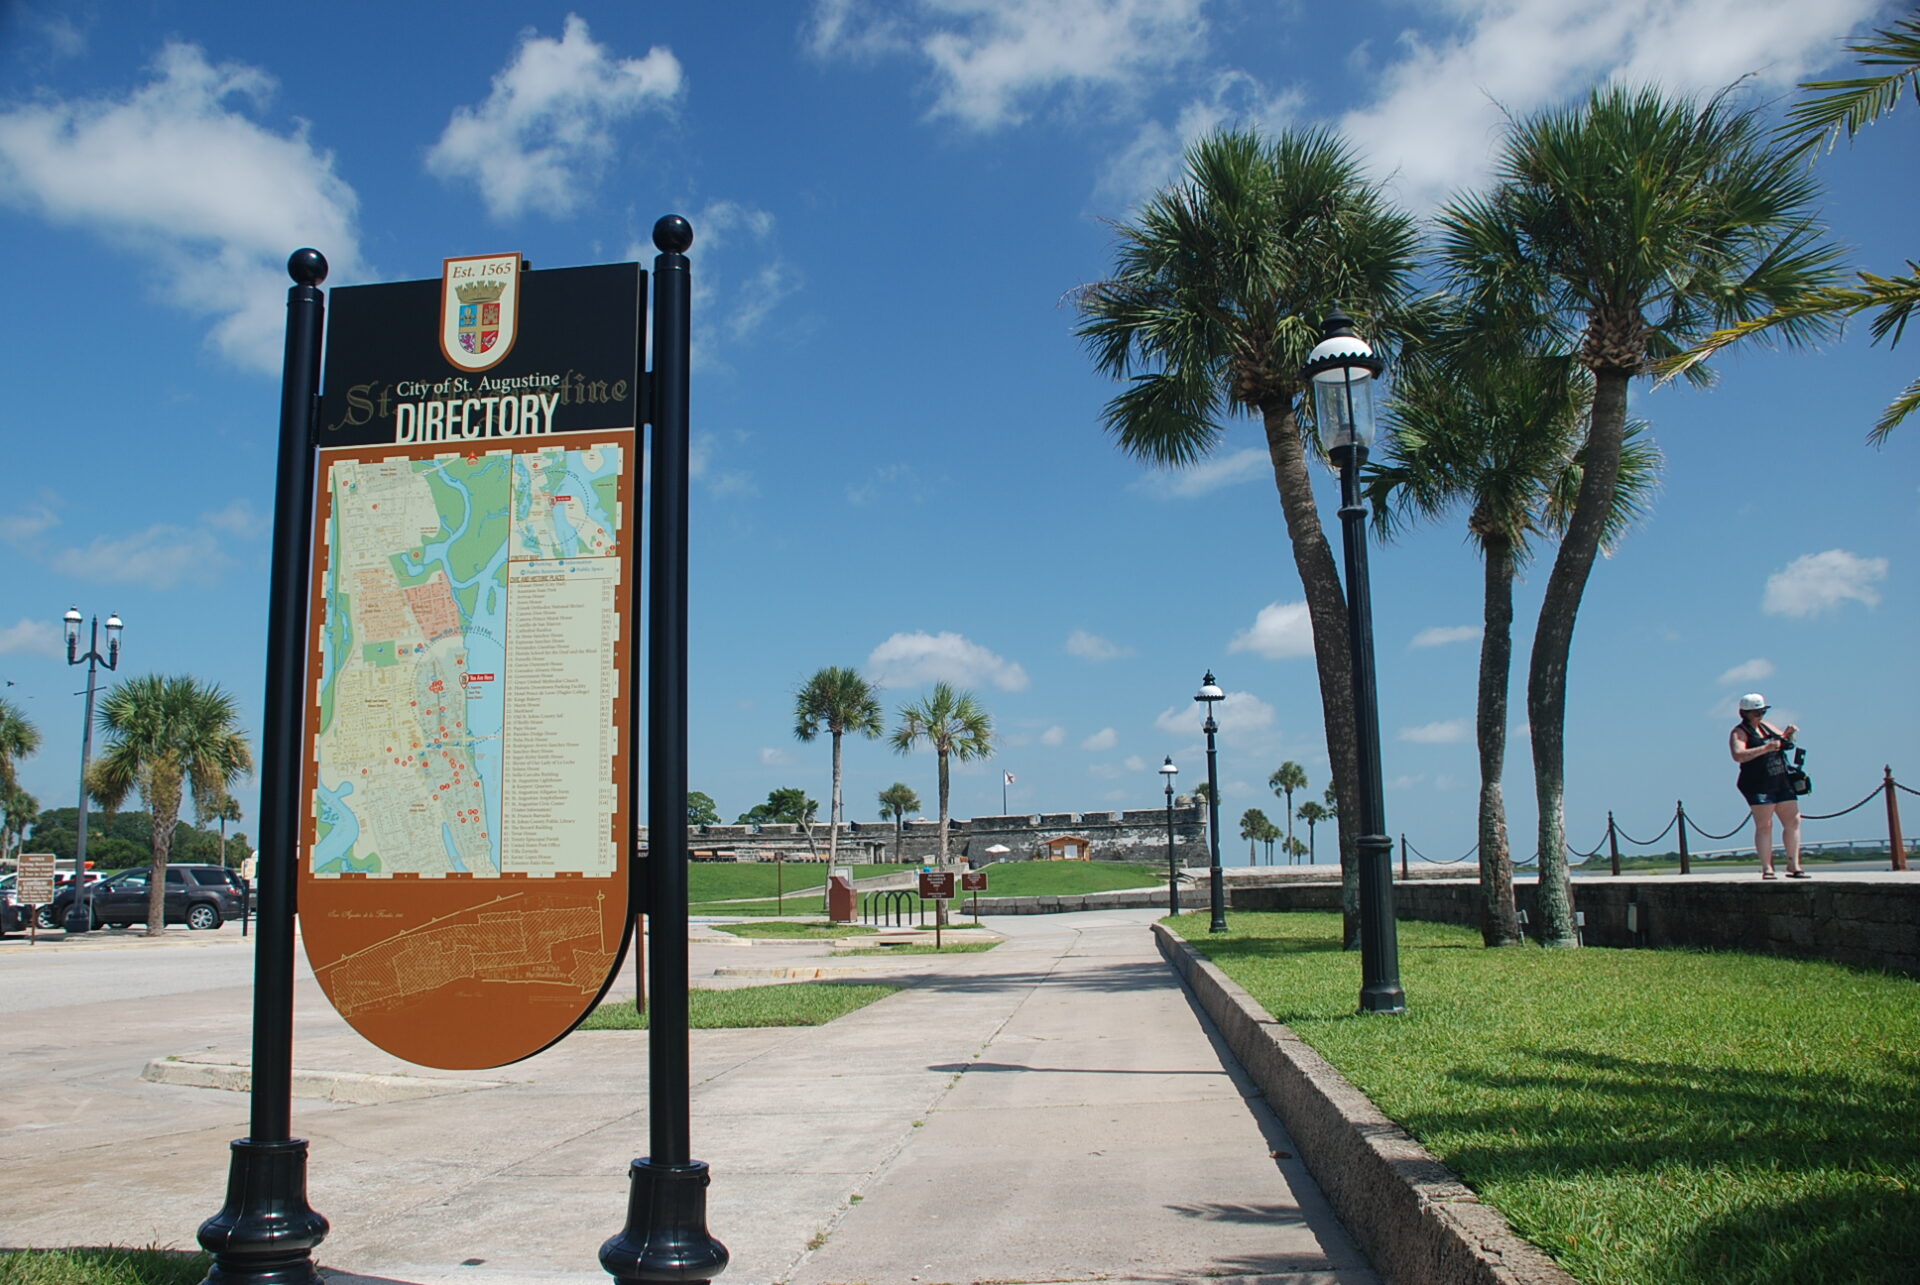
point(197, 896)
point(10, 905)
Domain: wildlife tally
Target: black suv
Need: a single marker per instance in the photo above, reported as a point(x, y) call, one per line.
point(197, 896)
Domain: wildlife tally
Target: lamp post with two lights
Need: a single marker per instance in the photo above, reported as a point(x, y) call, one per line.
point(80, 909)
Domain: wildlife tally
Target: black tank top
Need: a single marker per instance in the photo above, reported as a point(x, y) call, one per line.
point(1756, 772)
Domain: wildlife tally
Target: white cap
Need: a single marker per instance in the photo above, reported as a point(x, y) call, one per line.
point(1753, 700)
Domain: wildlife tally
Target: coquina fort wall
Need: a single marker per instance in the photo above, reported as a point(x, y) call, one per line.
point(1133, 835)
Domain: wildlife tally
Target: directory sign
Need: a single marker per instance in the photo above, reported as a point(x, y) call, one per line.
point(463, 889)
point(936, 885)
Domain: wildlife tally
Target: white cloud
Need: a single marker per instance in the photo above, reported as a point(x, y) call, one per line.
point(993, 60)
point(1441, 635)
point(1207, 476)
point(30, 637)
point(1134, 763)
point(887, 484)
point(774, 756)
point(1154, 157)
point(1055, 735)
point(1406, 782)
point(1751, 671)
point(1282, 631)
point(180, 174)
point(1447, 733)
point(1241, 716)
point(23, 524)
point(545, 131)
point(1820, 582)
point(910, 660)
point(240, 518)
point(1093, 647)
point(1104, 739)
point(162, 556)
point(1439, 107)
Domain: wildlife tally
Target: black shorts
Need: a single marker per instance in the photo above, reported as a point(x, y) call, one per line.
point(1771, 790)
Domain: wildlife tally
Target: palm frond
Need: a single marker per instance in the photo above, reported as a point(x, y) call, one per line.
point(1853, 103)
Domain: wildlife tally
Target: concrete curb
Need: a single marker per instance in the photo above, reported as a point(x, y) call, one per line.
point(328, 1086)
point(1413, 1218)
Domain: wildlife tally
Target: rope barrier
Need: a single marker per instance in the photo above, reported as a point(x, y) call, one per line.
point(1828, 816)
point(1744, 821)
point(1441, 861)
point(1645, 843)
point(1573, 851)
point(1678, 816)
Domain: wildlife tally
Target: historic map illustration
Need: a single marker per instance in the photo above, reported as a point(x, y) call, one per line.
point(467, 677)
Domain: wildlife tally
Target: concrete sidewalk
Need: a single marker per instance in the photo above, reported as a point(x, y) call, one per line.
point(1053, 1110)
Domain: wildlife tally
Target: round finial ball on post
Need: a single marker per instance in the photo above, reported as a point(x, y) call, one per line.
point(672, 235)
point(308, 267)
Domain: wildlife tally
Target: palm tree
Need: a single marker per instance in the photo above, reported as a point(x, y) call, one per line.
point(19, 738)
point(1253, 828)
point(224, 809)
point(842, 702)
point(166, 736)
point(955, 725)
point(1217, 294)
point(1850, 105)
point(1621, 232)
point(1290, 777)
point(17, 811)
point(1499, 435)
point(1313, 814)
point(896, 801)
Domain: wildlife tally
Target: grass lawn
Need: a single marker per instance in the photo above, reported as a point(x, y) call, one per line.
point(1644, 1116)
point(1067, 878)
point(794, 930)
point(725, 880)
point(925, 948)
point(794, 1004)
point(103, 1267)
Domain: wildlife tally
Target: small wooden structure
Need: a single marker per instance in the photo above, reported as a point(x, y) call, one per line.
point(1069, 847)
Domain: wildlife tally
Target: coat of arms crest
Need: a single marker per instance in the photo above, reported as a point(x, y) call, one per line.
point(479, 309)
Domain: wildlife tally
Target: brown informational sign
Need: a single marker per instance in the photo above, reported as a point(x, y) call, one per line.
point(34, 887)
point(936, 885)
point(464, 889)
point(973, 881)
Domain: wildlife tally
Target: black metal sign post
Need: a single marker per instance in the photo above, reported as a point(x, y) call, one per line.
point(666, 1237)
point(266, 1233)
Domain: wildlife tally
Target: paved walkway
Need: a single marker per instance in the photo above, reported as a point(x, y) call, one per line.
point(1053, 1110)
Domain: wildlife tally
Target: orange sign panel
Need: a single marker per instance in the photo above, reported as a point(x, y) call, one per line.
point(463, 894)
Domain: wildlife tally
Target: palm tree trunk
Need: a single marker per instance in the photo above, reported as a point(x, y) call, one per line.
point(164, 810)
point(833, 814)
point(943, 811)
point(1553, 642)
point(1327, 609)
point(1499, 926)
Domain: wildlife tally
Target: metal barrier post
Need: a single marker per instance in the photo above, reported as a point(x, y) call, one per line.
point(1680, 819)
point(1613, 844)
point(1403, 856)
point(1894, 846)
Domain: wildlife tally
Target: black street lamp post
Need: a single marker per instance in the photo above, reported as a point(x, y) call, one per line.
point(80, 910)
point(1169, 771)
point(1209, 693)
point(1341, 369)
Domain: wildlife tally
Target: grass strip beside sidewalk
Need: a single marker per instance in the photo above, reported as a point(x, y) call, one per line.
point(1643, 1116)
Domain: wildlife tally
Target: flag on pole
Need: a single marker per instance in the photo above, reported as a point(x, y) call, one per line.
point(1009, 777)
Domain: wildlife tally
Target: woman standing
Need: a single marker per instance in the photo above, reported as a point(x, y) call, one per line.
point(1765, 784)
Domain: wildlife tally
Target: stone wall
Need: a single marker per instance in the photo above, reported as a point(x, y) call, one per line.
point(1135, 835)
point(1870, 925)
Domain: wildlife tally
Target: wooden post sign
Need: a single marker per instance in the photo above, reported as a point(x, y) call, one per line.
point(463, 890)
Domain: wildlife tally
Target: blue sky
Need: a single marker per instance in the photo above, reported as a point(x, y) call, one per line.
point(897, 444)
